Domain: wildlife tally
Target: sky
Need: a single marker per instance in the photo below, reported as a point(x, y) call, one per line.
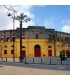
point(51, 16)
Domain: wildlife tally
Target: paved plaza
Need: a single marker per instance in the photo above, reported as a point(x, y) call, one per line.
point(16, 68)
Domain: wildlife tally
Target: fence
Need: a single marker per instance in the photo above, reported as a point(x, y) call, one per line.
point(39, 60)
point(9, 59)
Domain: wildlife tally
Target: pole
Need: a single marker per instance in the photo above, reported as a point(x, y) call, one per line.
point(21, 41)
point(13, 35)
point(6, 59)
point(50, 60)
point(14, 11)
point(41, 60)
point(61, 60)
point(54, 47)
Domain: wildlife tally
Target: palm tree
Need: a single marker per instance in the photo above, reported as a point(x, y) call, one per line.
point(52, 37)
point(21, 18)
point(62, 41)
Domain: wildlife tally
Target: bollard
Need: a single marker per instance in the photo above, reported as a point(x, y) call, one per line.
point(61, 61)
point(33, 60)
point(6, 59)
point(2, 58)
point(41, 60)
point(50, 60)
point(13, 59)
point(25, 61)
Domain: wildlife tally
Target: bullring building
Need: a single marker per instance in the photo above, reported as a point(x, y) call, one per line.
point(37, 41)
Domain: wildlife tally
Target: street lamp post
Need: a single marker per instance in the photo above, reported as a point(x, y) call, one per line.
point(13, 17)
point(0, 51)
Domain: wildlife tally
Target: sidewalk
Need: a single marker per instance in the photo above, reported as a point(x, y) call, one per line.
point(14, 70)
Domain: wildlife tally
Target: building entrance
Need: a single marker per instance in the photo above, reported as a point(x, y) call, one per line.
point(37, 51)
point(49, 52)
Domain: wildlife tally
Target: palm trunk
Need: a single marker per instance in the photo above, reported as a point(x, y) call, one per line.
point(20, 41)
point(54, 47)
point(68, 45)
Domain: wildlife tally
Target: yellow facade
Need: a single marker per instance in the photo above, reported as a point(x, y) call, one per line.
point(29, 47)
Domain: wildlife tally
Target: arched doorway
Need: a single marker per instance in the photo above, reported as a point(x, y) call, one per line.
point(37, 51)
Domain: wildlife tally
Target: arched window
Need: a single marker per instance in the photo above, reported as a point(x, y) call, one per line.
point(7, 37)
point(36, 46)
point(1, 37)
point(23, 46)
point(65, 38)
point(12, 46)
point(23, 36)
point(13, 37)
point(5, 46)
point(36, 36)
point(58, 38)
point(49, 46)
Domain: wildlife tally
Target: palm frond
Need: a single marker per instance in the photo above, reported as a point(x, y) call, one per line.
point(22, 17)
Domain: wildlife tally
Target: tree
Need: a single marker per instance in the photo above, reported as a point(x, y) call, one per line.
point(67, 40)
point(21, 18)
point(62, 55)
point(52, 37)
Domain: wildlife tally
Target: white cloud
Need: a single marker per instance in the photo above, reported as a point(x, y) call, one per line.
point(66, 26)
point(66, 29)
point(7, 22)
point(25, 25)
point(66, 22)
point(26, 10)
point(49, 23)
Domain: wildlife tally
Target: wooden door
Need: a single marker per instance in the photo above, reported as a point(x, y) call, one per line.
point(23, 53)
point(49, 52)
point(37, 52)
